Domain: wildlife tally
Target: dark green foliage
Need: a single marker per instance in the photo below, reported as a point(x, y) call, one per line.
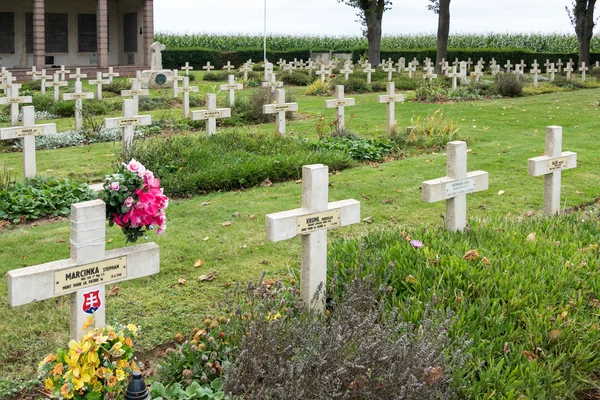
point(596, 73)
point(404, 83)
point(41, 197)
point(94, 107)
point(249, 110)
point(352, 85)
point(148, 103)
point(117, 86)
point(64, 109)
point(296, 79)
point(43, 103)
point(509, 85)
point(197, 57)
point(195, 391)
point(563, 82)
point(431, 91)
point(357, 147)
point(530, 306)
point(233, 160)
point(32, 85)
point(216, 76)
point(359, 350)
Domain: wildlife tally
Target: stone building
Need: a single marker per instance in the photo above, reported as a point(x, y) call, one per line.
point(76, 33)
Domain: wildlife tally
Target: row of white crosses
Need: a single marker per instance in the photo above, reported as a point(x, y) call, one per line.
point(11, 89)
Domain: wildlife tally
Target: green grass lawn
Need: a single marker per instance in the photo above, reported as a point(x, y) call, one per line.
point(501, 135)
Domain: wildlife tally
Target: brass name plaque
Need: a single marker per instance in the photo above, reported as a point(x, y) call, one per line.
point(100, 273)
point(129, 122)
point(79, 96)
point(213, 114)
point(281, 108)
point(137, 92)
point(318, 221)
point(558, 164)
point(230, 87)
point(34, 131)
point(391, 99)
point(340, 103)
point(14, 100)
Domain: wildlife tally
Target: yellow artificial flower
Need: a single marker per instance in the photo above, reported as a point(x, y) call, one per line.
point(117, 350)
point(50, 358)
point(78, 348)
point(111, 381)
point(132, 328)
point(88, 322)
point(128, 342)
point(101, 372)
point(49, 384)
point(120, 374)
point(65, 391)
point(58, 369)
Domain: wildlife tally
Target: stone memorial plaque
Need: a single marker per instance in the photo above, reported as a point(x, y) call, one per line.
point(33, 131)
point(281, 108)
point(341, 103)
point(14, 100)
point(135, 121)
point(457, 188)
point(78, 96)
point(137, 92)
point(229, 87)
point(393, 98)
point(319, 221)
point(558, 164)
point(213, 114)
point(99, 273)
point(160, 79)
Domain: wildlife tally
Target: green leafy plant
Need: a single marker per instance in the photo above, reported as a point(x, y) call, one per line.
point(195, 391)
point(431, 91)
point(509, 85)
point(432, 132)
point(358, 148)
point(318, 88)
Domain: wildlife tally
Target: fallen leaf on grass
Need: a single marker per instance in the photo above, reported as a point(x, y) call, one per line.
point(265, 262)
point(578, 193)
point(500, 192)
point(299, 181)
point(113, 291)
point(181, 281)
point(411, 279)
point(269, 282)
point(432, 374)
point(531, 356)
point(486, 261)
point(227, 284)
point(532, 237)
point(210, 277)
point(506, 348)
point(198, 263)
point(471, 255)
point(266, 183)
point(235, 214)
point(206, 203)
point(368, 220)
point(554, 334)
point(228, 223)
point(253, 217)
point(388, 201)
point(594, 302)
point(205, 238)
point(60, 241)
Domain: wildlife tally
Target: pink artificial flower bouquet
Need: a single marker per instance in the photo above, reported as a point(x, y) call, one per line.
point(135, 201)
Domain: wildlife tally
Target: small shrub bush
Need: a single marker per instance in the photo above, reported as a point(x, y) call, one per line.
point(40, 197)
point(117, 86)
point(296, 79)
point(509, 85)
point(249, 110)
point(195, 164)
point(358, 148)
point(148, 103)
point(352, 85)
point(596, 73)
point(433, 91)
point(563, 82)
point(404, 83)
point(64, 109)
point(43, 103)
point(318, 88)
point(432, 132)
point(216, 76)
point(32, 85)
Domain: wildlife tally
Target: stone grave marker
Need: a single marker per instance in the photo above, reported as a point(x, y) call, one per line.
point(56, 83)
point(280, 108)
point(410, 69)
point(63, 73)
point(245, 69)
point(14, 100)
point(228, 67)
point(322, 73)
point(477, 73)
point(273, 84)
point(187, 68)
point(508, 66)
point(368, 70)
point(268, 71)
point(550, 166)
point(454, 75)
point(535, 71)
point(85, 274)
point(43, 78)
point(547, 63)
point(391, 98)
point(99, 82)
point(455, 186)
point(208, 67)
point(34, 73)
point(347, 70)
point(312, 222)
point(429, 73)
point(401, 64)
point(551, 70)
point(231, 86)
point(340, 103)
point(78, 75)
point(559, 64)
point(78, 96)
point(389, 68)
point(7, 83)
point(310, 67)
point(583, 70)
point(569, 70)
point(176, 79)
point(27, 133)
point(211, 114)
point(281, 63)
point(128, 122)
point(135, 92)
point(186, 90)
point(110, 74)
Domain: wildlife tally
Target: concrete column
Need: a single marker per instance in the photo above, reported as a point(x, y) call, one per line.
point(148, 30)
point(39, 34)
point(102, 33)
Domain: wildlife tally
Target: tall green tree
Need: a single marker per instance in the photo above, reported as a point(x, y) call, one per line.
point(370, 14)
point(581, 14)
point(442, 8)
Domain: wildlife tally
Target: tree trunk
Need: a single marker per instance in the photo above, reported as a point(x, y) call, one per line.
point(373, 18)
point(443, 33)
point(584, 28)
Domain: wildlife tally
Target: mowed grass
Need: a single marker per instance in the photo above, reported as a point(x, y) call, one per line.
point(502, 135)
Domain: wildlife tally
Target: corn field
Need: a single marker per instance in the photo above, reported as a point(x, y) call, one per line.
point(550, 43)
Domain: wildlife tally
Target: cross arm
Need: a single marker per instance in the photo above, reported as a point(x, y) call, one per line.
point(340, 103)
point(18, 132)
point(12, 100)
point(274, 108)
point(284, 225)
point(390, 99)
point(544, 165)
point(446, 188)
point(205, 114)
point(235, 86)
point(121, 122)
point(75, 96)
point(26, 285)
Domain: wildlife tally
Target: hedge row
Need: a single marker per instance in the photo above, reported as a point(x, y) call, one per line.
point(199, 57)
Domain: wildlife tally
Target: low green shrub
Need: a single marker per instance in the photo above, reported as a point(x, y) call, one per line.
point(509, 85)
point(404, 83)
point(63, 109)
point(249, 110)
point(32, 85)
point(117, 86)
point(40, 197)
point(194, 163)
point(195, 391)
point(296, 79)
point(352, 85)
point(431, 91)
point(432, 132)
point(216, 76)
point(319, 88)
point(149, 103)
point(563, 82)
point(357, 147)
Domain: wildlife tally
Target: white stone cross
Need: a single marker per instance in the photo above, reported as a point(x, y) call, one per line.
point(290, 68)
point(551, 70)
point(34, 73)
point(14, 100)
point(208, 67)
point(312, 222)
point(368, 70)
point(310, 67)
point(156, 50)
point(455, 186)
point(99, 82)
point(347, 70)
point(176, 79)
point(410, 69)
point(476, 74)
point(273, 84)
point(186, 90)
point(508, 66)
point(231, 86)
point(43, 78)
point(463, 71)
point(127, 123)
point(391, 98)
point(583, 69)
point(78, 96)
point(211, 114)
point(551, 165)
point(429, 73)
point(535, 71)
point(280, 108)
point(7, 83)
point(389, 68)
point(268, 71)
point(187, 68)
point(547, 63)
point(57, 83)
point(228, 67)
point(78, 75)
point(522, 65)
point(27, 133)
point(135, 92)
point(281, 63)
point(245, 69)
point(340, 102)
point(63, 72)
point(415, 62)
point(559, 64)
point(569, 69)
point(110, 74)
point(85, 274)
point(494, 67)
point(469, 64)
point(445, 68)
point(454, 75)
point(323, 72)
